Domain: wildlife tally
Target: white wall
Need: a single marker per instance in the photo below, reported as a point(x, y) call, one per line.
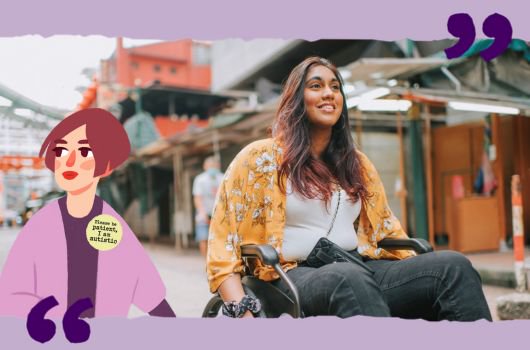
point(463, 117)
point(383, 151)
point(142, 226)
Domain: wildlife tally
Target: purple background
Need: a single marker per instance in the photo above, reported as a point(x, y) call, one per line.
point(254, 334)
point(309, 19)
point(209, 19)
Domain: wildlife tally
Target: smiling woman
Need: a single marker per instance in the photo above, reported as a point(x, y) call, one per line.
point(312, 123)
point(309, 184)
point(83, 148)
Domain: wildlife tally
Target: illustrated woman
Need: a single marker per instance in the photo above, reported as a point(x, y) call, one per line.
point(78, 247)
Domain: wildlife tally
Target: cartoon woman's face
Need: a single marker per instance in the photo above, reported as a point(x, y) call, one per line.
point(74, 161)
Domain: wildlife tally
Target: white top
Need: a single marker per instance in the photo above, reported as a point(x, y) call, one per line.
point(307, 220)
point(206, 186)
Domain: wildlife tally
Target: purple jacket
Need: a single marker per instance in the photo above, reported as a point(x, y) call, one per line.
point(36, 268)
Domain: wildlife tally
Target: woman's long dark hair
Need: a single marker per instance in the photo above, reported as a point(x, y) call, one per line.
point(309, 176)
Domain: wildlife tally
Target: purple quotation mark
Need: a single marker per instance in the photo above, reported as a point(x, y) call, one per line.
point(43, 330)
point(75, 329)
point(39, 328)
point(496, 26)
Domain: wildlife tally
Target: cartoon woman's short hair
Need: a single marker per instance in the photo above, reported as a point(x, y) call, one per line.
point(105, 134)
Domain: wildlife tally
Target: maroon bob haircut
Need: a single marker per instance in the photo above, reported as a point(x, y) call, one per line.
point(105, 134)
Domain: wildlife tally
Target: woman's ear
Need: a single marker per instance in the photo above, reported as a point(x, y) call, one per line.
point(107, 172)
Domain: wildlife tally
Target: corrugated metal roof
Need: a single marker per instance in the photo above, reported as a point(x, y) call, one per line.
point(368, 69)
point(21, 101)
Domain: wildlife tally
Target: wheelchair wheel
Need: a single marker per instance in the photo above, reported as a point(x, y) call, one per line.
point(213, 308)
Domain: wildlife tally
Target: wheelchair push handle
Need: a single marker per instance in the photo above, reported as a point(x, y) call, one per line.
point(263, 252)
point(419, 245)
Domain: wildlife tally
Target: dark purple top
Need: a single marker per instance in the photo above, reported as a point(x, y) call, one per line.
point(82, 257)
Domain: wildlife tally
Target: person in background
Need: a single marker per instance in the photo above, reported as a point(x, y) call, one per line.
point(205, 188)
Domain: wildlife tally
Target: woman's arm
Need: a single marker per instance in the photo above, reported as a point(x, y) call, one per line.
point(238, 218)
point(201, 211)
point(17, 280)
point(229, 215)
point(232, 290)
point(162, 310)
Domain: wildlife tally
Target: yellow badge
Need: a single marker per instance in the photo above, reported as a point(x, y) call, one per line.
point(104, 232)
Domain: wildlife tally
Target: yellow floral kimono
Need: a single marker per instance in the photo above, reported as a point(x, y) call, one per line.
point(250, 208)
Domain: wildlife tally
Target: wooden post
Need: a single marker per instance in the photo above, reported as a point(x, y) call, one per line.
point(498, 170)
point(518, 234)
point(402, 193)
point(415, 136)
point(186, 219)
point(172, 210)
point(177, 172)
point(216, 148)
point(428, 172)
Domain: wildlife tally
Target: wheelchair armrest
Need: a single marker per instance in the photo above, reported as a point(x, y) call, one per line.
point(265, 252)
point(268, 256)
point(419, 245)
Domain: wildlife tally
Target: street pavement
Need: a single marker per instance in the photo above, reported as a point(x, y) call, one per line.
point(185, 277)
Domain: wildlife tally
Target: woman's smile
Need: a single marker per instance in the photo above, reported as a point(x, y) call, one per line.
point(327, 107)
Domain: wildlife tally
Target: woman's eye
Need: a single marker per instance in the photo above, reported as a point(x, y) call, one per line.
point(86, 152)
point(336, 88)
point(60, 152)
point(314, 86)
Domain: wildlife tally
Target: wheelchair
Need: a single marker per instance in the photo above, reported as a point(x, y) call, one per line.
point(274, 301)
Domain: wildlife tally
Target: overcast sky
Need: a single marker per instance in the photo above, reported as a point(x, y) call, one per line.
point(48, 70)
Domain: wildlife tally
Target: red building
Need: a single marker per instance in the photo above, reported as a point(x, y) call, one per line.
point(183, 63)
point(170, 81)
point(179, 64)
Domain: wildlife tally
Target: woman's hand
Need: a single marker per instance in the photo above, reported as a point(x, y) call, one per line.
point(232, 290)
point(247, 314)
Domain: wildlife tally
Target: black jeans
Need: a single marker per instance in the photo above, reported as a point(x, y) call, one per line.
point(434, 286)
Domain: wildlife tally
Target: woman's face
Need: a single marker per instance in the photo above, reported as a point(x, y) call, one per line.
point(322, 97)
point(74, 161)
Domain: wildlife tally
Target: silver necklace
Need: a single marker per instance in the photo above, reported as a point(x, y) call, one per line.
point(334, 215)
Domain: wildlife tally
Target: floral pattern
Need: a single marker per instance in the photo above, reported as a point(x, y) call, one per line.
point(250, 208)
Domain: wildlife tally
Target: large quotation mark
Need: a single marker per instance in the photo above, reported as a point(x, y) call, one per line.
point(39, 328)
point(75, 329)
point(461, 26)
point(43, 330)
point(496, 26)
